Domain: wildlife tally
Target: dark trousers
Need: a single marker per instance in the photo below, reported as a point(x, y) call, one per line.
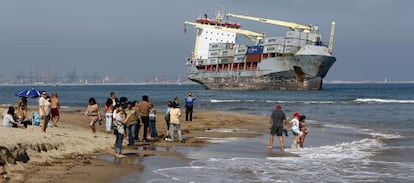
point(118, 143)
point(131, 133)
point(189, 113)
point(145, 120)
point(153, 128)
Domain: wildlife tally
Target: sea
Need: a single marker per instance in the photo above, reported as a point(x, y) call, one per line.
point(357, 133)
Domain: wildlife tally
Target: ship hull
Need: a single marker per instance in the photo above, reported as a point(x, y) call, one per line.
point(296, 72)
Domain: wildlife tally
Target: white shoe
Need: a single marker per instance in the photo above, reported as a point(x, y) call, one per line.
point(168, 140)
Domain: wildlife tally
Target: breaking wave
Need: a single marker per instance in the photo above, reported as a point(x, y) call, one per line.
point(378, 100)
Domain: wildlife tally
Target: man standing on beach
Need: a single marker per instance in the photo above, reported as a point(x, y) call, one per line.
point(189, 103)
point(276, 126)
point(44, 110)
point(55, 106)
point(143, 109)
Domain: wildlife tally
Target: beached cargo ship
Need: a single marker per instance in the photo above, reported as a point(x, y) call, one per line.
point(298, 60)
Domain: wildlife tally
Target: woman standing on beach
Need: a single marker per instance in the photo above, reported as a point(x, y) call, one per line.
point(175, 114)
point(92, 114)
point(55, 106)
point(167, 120)
point(22, 108)
point(109, 109)
point(120, 121)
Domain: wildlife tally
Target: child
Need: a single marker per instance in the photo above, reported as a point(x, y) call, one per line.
point(303, 129)
point(120, 121)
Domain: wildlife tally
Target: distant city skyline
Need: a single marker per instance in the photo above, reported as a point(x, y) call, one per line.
point(95, 77)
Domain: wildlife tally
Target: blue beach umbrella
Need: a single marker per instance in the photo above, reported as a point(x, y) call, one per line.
point(32, 93)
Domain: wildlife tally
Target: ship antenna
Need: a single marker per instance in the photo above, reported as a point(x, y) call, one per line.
point(219, 13)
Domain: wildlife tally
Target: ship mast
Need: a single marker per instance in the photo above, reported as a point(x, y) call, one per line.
point(331, 37)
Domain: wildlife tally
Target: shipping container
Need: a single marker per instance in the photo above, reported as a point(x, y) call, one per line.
point(304, 35)
point(273, 41)
point(213, 53)
point(292, 34)
point(220, 53)
point(212, 61)
point(239, 58)
point(292, 42)
point(220, 46)
point(240, 49)
point(253, 57)
point(225, 60)
point(255, 50)
point(273, 49)
point(226, 53)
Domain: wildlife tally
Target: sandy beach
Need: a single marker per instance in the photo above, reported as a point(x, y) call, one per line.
point(68, 153)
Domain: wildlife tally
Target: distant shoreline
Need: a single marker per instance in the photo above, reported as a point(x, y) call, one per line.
point(101, 84)
point(192, 83)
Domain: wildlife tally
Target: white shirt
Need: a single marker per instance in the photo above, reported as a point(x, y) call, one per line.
point(295, 123)
point(45, 104)
point(120, 126)
point(8, 120)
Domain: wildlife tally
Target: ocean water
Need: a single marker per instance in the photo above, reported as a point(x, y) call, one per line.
point(357, 133)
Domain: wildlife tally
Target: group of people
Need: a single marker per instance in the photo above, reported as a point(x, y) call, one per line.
point(125, 118)
point(278, 124)
point(17, 117)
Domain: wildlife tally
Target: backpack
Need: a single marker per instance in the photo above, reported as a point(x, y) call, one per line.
point(167, 114)
point(35, 118)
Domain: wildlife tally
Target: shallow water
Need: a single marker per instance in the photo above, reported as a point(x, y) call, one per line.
point(358, 132)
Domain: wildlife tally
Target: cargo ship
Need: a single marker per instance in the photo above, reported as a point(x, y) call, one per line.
point(297, 60)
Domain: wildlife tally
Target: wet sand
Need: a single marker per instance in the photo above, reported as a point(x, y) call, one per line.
point(72, 151)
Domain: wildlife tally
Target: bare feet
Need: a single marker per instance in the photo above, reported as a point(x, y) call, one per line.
point(269, 147)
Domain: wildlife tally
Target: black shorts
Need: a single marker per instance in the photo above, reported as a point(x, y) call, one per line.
point(276, 130)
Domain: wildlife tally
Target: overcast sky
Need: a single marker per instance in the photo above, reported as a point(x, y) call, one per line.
point(373, 38)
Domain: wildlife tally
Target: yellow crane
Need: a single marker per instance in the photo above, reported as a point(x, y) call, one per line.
point(253, 36)
point(291, 25)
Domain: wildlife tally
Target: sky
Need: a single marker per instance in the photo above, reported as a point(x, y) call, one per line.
point(373, 38)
